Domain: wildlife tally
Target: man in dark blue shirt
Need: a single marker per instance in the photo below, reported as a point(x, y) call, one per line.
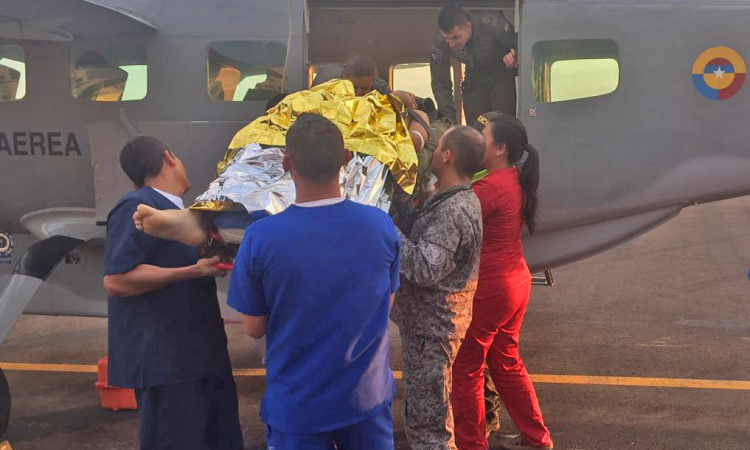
point(166, 335)
point(320, 278)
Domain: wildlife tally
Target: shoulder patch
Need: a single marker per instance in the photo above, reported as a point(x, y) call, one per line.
point(506, 27)
point(435, 56)
point(435, 254)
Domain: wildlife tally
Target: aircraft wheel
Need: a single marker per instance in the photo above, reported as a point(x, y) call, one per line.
point(4, 403)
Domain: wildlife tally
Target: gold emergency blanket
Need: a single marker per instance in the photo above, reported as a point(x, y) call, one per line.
point(370, 126)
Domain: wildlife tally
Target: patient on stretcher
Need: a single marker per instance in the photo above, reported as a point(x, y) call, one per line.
point(251, 183)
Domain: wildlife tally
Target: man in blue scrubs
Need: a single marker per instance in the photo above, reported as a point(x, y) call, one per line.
point(319, 278)
point(166, 335)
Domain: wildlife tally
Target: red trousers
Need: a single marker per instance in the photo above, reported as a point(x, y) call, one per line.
point(493, 336)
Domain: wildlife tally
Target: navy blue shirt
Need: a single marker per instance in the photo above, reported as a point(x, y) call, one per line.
point(173, 334)
point(323, 275)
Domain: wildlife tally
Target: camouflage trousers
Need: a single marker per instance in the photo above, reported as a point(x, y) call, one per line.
point(428, 373)
point(491, 404)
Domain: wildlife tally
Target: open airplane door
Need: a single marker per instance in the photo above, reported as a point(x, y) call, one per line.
point(625, 138)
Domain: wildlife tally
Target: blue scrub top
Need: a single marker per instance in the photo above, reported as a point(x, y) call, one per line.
point(323, 276)
point(173, 334)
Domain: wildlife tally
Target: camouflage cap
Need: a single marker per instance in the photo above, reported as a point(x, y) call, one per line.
point(484, 118)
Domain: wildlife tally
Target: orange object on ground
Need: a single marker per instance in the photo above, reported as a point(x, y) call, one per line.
point(113, 398)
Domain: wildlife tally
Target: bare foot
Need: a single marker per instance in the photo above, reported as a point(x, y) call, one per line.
point(174, 224)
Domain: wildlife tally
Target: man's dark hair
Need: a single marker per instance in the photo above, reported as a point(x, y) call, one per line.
point(359, 66)
point(467, 147)
point(316, 148)
point(142, 158)
point(452, 16)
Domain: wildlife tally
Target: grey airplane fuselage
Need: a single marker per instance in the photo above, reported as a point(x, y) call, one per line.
point(614, 165)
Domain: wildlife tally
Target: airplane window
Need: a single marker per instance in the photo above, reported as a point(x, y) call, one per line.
point(414, 78)
point(245, 70)
point(109, 72)
point(572, 70)
point(12, 73)
point(583, 78)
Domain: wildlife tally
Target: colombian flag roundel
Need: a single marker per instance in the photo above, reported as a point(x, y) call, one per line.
point(719, 73)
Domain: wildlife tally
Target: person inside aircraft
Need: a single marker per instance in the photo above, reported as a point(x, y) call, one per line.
point(508, 199)
point(166, 335)
point(362, 72)
point(324, 390)
point(485, 42)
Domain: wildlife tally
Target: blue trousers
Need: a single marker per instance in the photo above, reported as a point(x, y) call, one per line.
point(198, 415)
point(374, 433)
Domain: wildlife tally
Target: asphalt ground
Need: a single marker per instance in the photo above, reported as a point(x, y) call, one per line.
point(669, 309)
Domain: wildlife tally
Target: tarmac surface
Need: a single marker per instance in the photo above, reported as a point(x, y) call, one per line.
point(669, 307)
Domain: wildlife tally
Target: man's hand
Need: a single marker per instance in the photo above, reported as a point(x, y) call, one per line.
point(206, 267)
point(510, 59)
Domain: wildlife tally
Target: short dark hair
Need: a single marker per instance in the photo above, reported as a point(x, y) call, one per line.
point(359, 66)
point(142, 158)
point(467, 147)
point(452, 16)
point(316, 148)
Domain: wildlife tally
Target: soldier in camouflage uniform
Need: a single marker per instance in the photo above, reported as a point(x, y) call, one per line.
point(439, 268)
point(486, 43)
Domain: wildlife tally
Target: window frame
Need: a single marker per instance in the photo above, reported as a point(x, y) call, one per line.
point(206, 62)
point(607, 49)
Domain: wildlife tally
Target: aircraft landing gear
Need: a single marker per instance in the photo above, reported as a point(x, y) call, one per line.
point(4, 403)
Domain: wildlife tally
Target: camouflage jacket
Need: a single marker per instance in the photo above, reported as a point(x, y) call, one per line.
point(440, 265)
point(492, 38)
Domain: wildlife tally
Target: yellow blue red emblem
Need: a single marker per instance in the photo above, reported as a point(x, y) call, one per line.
point(719, 73)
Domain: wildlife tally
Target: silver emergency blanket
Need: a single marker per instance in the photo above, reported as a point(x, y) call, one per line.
point(255, 179)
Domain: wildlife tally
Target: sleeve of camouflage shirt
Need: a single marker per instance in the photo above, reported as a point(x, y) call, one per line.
point(433, 257)
point(440, 72)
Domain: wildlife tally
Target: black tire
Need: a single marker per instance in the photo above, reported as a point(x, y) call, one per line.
point(4, 404)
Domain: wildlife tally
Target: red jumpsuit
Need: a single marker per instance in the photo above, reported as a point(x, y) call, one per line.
point(499, 305)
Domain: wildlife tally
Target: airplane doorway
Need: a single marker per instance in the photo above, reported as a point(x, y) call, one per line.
point(396, 35)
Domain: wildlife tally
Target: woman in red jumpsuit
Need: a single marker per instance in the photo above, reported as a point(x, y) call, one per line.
point(508, 198)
